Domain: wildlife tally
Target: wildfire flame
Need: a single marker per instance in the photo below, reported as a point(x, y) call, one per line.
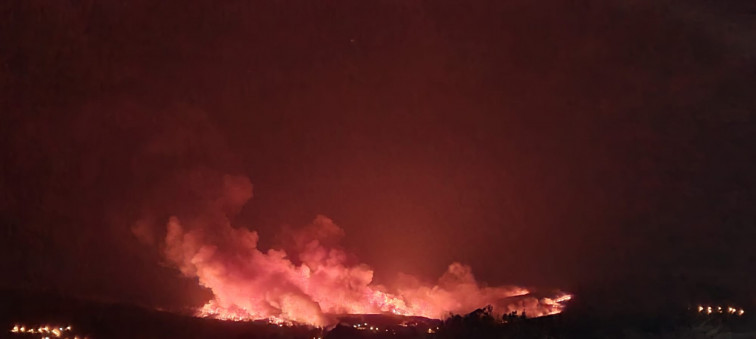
point(314, 281)
point(249, 284)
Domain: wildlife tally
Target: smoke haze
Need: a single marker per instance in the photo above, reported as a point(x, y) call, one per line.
point(594, 146)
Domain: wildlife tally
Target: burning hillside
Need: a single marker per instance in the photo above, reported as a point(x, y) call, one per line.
point(313, 279)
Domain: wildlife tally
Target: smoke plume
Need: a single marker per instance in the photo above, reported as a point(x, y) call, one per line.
point(311, 281)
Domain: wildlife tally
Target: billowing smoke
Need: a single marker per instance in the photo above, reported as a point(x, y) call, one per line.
point(311, 279)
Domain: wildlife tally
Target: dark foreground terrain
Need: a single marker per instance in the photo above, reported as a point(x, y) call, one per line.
point(52, 315)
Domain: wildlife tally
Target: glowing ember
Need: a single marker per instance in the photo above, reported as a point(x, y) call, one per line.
point(314, 281)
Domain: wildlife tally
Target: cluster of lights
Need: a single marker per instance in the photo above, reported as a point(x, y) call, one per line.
point(720, 309)
point(46, 331)
point(365, 327)
point(376, 329)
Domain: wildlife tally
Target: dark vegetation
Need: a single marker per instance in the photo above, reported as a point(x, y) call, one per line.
point(482, 323)
point(98, 319)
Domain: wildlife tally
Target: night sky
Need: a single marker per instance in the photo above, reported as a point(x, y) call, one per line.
point(585, 145)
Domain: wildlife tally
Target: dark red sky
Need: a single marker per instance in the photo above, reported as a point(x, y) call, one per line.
point(560, 143)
